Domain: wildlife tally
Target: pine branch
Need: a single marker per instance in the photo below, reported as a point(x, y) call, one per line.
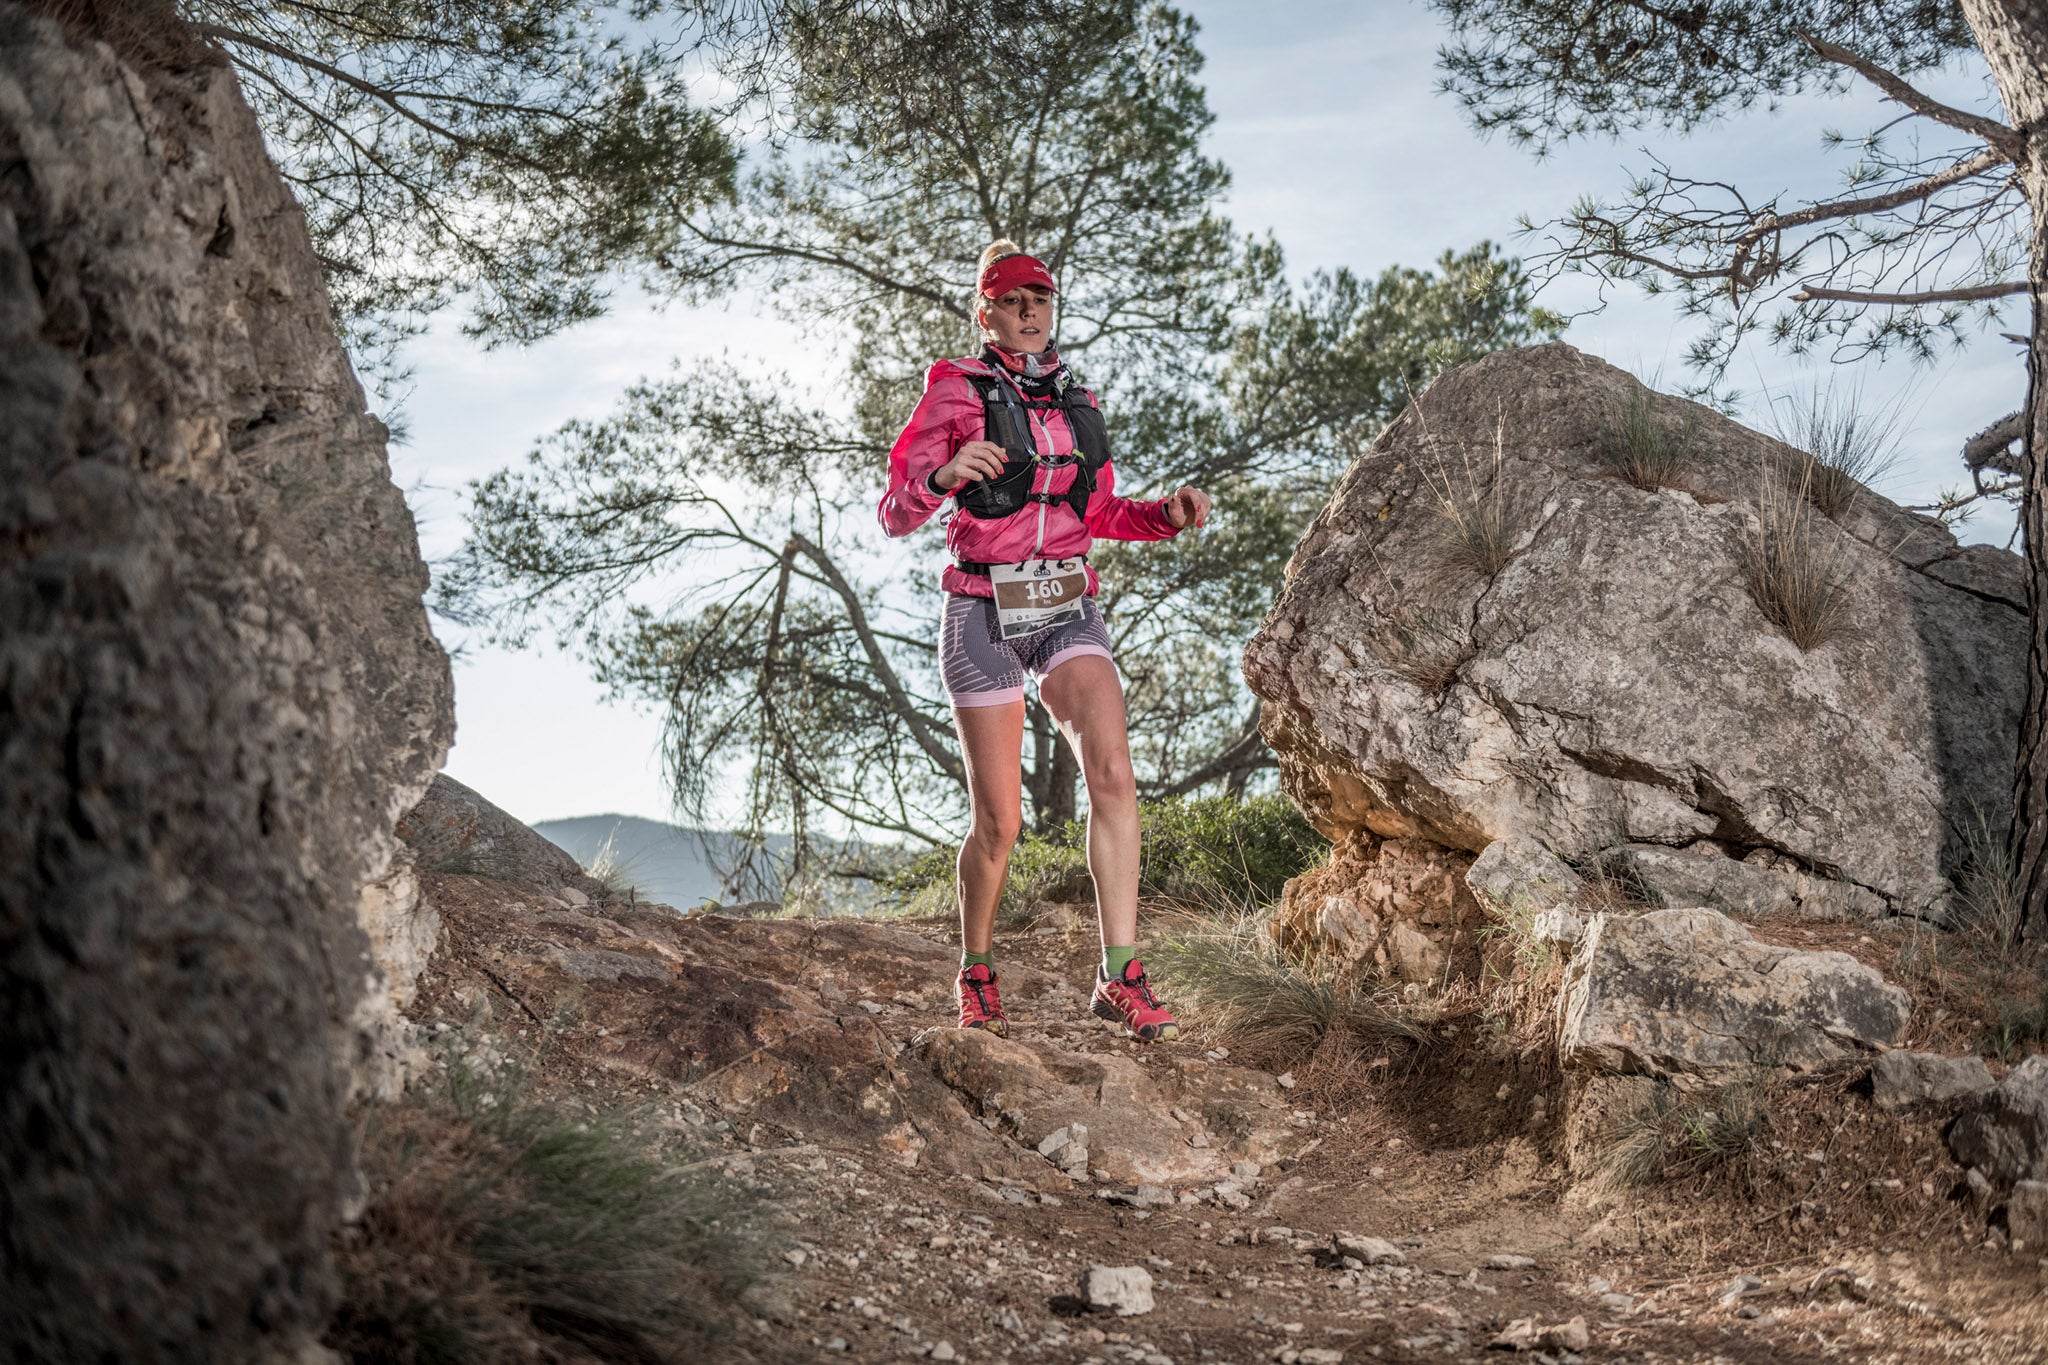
point(1966, 294)
point(2006, 140)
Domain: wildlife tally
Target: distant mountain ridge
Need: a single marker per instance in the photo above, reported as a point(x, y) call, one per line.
point(672, 864)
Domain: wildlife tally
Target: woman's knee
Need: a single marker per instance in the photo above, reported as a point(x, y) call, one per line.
point(994, 832)
point(1109, 777)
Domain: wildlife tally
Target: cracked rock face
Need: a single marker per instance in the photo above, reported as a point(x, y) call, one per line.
point(219, 695)
point(1614, 682)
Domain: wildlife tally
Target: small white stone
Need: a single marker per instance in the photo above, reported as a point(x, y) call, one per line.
point(1285, 1080)
point(1127, 1289)
point(1371, 1250)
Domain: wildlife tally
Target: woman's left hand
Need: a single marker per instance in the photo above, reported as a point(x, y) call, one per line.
point(1187, 506)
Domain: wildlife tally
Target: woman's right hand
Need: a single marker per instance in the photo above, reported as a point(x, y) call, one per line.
point(975, 460)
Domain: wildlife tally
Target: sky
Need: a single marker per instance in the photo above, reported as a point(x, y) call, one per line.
point(1328, 118)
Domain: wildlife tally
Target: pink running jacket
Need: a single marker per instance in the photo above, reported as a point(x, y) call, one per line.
point(949, 416)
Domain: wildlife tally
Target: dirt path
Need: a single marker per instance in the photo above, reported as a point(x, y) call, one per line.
point(916, 1217)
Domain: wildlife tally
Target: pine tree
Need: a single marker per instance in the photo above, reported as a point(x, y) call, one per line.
point(710, 546)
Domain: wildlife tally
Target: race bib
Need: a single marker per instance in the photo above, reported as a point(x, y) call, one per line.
point(1036, 594)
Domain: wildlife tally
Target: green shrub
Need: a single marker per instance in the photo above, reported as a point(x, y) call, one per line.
point(501, 1228)
point(1214, 853)
point(1222, 852)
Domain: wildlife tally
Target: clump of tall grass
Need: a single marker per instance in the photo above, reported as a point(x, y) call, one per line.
point(616, 872)
point(499, 1227)
point(1642, 450)
point(1846, 443)
point(1479, 528)
point(1989, 905)
point(1238, 984)
point(1801, 573)
point(1670, 1135)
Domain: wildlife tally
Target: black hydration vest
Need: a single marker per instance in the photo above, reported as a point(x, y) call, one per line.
point(1008, 424)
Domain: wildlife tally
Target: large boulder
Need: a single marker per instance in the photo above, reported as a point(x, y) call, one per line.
point(454, 829)
point(220, 693)
point(2004, 1132)
point(1614, 683)
point(1691, 993)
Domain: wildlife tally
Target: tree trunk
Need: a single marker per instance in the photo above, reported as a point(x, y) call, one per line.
point(2013, 35)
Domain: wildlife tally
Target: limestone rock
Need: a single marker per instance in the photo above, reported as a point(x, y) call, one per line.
point(453, 829)
point(1752, 888)
point(2026, 1214)
point(1124, 1108)
point(1900, 1078)
point(2005, 1132)
point(1517, 877)
point(1402, 906)
point(1526, 1334)
point(1556, 925)
point(221, 693)
point(403, 930)
point(1371, 1250)
point(1691, 992)
point(1124, 1289)
point(1614, 683)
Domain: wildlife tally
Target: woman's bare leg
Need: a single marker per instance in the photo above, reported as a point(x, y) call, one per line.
point(992, 745)
point(1086, 699)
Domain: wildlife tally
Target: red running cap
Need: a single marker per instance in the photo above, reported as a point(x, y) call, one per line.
point(1009, 272)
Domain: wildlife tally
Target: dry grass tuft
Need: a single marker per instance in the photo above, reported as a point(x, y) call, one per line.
point(1426, 646)
point(1802, 574)
point(1235, 982)
point(499, 1228)
point(1674, 1135)
point(149, 35)
point(1977, 975)
point(617, 873)
point(1848, 445)
point(1480, 529)
point(1642, 451)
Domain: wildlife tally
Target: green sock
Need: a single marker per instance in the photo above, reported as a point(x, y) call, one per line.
point(1115, 959)
point(987, 959)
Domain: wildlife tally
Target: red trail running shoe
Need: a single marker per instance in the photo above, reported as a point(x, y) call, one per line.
point(1129, 1001)
point(980, 1005)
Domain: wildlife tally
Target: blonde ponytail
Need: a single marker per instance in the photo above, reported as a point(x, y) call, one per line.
point(993, 252)
point(990, 254)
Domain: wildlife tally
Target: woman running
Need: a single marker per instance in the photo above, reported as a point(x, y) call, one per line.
point(1022, 451)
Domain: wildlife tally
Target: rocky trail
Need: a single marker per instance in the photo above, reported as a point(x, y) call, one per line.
point(945, 1194)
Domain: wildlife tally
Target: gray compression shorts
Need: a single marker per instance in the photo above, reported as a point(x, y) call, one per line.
point(980, 668)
